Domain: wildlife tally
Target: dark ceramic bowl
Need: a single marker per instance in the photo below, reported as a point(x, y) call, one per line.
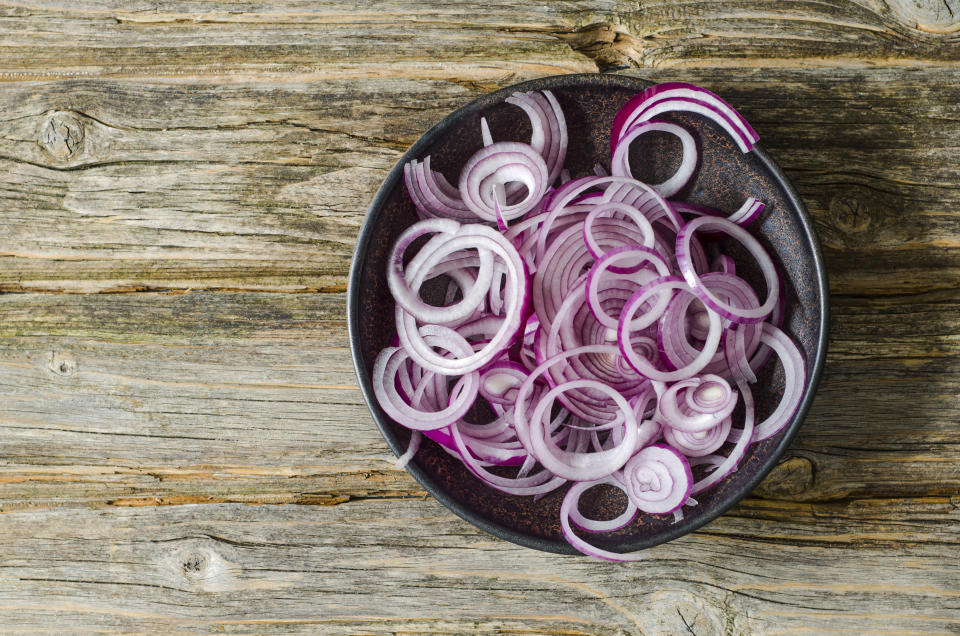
point(725, 178)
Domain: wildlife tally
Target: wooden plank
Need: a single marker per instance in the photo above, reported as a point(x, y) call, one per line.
point(267, 199)
point(381, 566)
point(226, 152)
point(56, 39)
point(326, 39)
point(146, 399)
point(248, 397)
point(263, 186)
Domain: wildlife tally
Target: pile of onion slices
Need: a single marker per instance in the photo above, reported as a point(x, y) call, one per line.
point(595, 322)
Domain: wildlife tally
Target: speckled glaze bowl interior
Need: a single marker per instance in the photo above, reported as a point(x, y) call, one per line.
point(725, 178)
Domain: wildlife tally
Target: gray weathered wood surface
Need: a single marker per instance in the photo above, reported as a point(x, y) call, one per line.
point(183, 447)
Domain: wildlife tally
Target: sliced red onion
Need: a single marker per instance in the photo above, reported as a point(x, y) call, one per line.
point(677, 96)
point(726, 465)
point(700, 443)
point(537, 484)
point(570, 503)
point(735, 354)
point(658, 479)
point(642, 197)
point(748, 212)
point(480, 237)
point(735, 314)
point(700, 107)
point(627, 190)
point(385, 370)
point(499, 164)
point(678, 513)
point(669, 90)
point(499, 190)
point(409, 299)
point(794, 372)
point(500, 380)
point(594, 525)
point(708, 401)
point(549, 128)
point(724, 264)
point(637, 257)
point(412, 448)
point(432, 194)
point(617, 210)
point(581, 466)
point(627, 323)
point(621, 371)
point(745, 215)
point(680, 333)
point(620, 162)
point(526, 390)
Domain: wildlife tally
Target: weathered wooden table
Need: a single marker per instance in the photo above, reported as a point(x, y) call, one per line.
point(183, 446)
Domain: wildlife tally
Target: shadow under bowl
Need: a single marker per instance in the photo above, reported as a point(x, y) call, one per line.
point(724, 179)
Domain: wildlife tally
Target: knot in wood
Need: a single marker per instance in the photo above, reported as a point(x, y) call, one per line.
point(850, 213)
point(61, 135)
point(858, 215)
point(936, 17)
point(683, 613)
point(202, 567)
point(193, 564)
point(788, 479)
point(607, 44)
point(62, 363)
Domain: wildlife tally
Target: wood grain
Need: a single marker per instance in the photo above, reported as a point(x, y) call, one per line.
point(297, 569)
point(53, 39)
point(183, 446)
point(262, 187)
point(233, 396)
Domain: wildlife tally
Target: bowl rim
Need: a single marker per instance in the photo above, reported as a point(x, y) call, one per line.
point(383, 422)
